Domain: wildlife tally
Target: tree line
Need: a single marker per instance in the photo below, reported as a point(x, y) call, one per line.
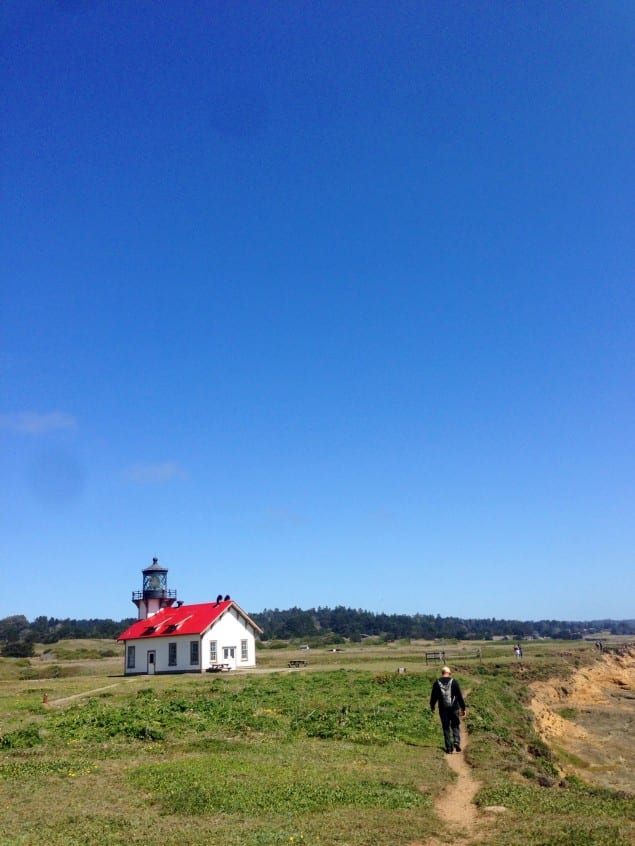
point(321, 625)
point(17, 634)
point(355, 625)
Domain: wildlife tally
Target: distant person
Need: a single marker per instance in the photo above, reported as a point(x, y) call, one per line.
point(446, 691)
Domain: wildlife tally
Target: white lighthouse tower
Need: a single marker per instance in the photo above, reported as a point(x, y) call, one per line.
point(155, 594)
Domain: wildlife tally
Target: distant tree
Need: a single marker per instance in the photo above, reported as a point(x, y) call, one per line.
point(13, 628)
point(18, 649)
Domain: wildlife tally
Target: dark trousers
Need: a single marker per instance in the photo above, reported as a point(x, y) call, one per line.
point(451, 727)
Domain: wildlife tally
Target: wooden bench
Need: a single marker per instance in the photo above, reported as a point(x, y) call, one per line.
point(297, 662)
point(218, 668)
point(442, 656)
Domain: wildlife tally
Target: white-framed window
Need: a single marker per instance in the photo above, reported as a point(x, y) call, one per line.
point(213, 651)
point(244, 650)
point(130, 663)
point(172, 654)
point(194, 652)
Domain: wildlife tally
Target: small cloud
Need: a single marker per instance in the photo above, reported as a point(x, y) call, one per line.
point(154, 474)
point(32, 423)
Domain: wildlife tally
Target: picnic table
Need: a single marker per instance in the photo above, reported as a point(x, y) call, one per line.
point(297, 662)
point(218, 668)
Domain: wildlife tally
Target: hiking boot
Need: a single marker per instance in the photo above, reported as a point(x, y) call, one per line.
point(457, 746)
point(448, 751)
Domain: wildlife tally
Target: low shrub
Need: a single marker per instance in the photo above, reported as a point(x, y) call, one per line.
point(23, 738)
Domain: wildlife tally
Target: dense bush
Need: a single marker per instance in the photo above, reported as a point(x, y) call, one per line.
point(18, 649)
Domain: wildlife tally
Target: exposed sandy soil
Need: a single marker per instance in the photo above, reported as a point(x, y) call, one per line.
point(597, 739)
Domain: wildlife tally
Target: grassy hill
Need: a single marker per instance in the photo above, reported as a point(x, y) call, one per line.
point(344, 751)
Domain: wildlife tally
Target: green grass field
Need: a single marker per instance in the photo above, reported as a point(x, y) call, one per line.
point(344, 751)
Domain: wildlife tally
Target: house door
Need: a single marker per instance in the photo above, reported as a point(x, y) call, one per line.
point(151, 662)
point(229, 656)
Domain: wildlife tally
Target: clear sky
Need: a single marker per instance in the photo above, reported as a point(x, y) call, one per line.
point(321, 303)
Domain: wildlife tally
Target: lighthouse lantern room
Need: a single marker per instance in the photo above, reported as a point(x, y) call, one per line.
point(155, 594)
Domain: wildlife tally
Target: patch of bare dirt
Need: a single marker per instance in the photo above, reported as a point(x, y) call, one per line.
point(590, 720)
point(455, 806)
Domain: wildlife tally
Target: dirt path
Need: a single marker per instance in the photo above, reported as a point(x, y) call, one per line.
point(56, 703)
point(455, 806)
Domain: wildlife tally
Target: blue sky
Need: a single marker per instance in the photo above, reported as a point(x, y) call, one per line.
point(320, 303)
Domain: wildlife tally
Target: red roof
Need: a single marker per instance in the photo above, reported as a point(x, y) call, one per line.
point(184, 620)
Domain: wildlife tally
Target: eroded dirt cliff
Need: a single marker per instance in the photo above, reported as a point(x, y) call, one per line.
point(589, 719)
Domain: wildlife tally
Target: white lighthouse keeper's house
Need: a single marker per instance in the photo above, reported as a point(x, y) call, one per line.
point(171, 637)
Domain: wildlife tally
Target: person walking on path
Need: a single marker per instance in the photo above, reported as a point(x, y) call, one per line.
point(446, 691)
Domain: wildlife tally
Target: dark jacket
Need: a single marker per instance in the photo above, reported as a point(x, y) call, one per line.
point(458, 703)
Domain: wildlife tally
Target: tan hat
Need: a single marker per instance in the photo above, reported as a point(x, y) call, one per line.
point(446, 671)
